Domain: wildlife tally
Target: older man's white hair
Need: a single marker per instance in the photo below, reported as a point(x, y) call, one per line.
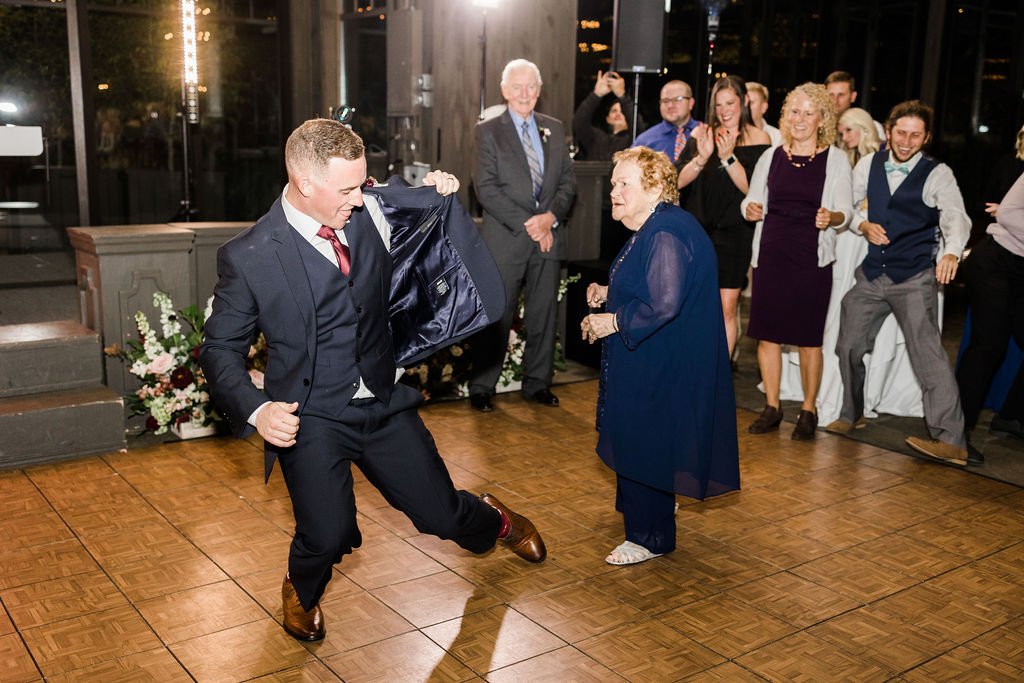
point(516, 65)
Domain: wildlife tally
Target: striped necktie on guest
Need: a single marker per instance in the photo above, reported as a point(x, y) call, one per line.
point(533, 160)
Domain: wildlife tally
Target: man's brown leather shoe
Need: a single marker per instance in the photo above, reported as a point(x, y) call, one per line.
point(844, 427)
point(299, 623)
point(523, 538)
point(939, 450)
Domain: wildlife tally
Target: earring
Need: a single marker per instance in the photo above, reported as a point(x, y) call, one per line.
point(653, 207)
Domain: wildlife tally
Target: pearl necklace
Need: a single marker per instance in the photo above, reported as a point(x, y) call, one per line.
point(799, 164)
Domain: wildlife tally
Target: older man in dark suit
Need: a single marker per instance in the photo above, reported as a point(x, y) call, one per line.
point(525, 182)
point(315, 275)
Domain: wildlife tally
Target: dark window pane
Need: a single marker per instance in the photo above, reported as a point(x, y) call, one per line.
point(38, 195)
point(240, 150)
point(366, 77)
point(235, 149)
point(136, 64)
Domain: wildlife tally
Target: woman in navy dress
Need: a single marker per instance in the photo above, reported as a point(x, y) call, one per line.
point(800, 194)
point(666, 413)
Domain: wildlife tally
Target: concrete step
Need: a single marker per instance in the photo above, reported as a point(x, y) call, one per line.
point(38, 304)
point(48, 356)
point(60, 425)
point(37, 269)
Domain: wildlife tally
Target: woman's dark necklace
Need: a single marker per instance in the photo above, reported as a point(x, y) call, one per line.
point(799, 164)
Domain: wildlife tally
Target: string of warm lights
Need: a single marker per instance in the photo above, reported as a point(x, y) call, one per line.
point(190, 66)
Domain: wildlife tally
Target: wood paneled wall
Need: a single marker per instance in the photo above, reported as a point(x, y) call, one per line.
point(543, 31)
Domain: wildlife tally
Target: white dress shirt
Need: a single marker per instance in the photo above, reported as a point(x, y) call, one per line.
point(940, 192)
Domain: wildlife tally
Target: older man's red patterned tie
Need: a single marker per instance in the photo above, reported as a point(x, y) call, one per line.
point(340, 250)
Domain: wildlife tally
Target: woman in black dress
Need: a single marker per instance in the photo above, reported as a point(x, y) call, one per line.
point(716, 167)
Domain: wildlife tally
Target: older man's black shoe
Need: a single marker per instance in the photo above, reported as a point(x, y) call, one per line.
point(481, 402)
point(544, 397)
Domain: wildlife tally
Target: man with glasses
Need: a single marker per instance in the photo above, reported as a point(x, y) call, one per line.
point(677, 125)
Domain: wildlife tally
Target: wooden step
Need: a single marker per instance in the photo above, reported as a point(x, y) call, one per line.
point(60, 425)
point(48, 356)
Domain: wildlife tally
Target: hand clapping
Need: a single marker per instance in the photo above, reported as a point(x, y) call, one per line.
point(725, 141)
point(705, 142)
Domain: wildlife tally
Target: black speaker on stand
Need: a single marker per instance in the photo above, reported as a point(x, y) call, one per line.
point(638, 41)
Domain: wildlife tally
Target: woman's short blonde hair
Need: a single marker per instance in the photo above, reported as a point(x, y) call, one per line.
point(1020, 143)
point(818, 95)
point(855, 117)
point(656, 171)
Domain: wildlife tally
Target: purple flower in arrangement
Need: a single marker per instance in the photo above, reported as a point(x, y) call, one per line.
point(181, 377)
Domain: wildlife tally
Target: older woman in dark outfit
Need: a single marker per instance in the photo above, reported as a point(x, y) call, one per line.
point(666, 413)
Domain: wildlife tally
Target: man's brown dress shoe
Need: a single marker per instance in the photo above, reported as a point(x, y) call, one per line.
point(844, 427)
point(939, 450)
point(523, 538)
point(299, 623)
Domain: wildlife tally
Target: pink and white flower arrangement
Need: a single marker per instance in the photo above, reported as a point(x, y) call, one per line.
point(173, 389)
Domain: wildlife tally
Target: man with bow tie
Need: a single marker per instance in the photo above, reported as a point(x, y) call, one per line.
point(525, 182)
point(909, 208)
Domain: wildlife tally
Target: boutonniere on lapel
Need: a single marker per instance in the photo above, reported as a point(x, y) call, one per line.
point(545, 133)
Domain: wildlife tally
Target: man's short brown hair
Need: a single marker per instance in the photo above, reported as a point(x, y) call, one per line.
point(913, 108)
point(312, 145)
point(841, 77)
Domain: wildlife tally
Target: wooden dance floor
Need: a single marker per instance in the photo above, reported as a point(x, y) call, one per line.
point(837, 562)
